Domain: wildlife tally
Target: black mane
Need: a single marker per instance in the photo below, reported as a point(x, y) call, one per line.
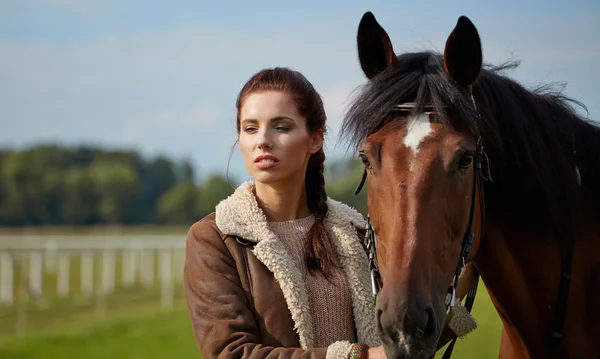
point(534, 138)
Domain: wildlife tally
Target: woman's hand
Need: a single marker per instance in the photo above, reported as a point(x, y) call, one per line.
point(377, 353)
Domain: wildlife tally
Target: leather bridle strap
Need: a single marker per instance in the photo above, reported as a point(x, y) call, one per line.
point(469, 234)
point(470, 299)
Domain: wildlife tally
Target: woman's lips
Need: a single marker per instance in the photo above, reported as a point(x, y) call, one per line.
point(266, 161)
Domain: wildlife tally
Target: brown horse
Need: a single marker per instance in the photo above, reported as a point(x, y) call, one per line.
point(438, 131)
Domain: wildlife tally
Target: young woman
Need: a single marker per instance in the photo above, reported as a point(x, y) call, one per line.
point(279, 271)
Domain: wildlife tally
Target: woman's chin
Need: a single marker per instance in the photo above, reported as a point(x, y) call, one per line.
point(267, 177)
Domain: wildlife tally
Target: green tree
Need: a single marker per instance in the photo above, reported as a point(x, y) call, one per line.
point(119, 187)
point(179, 205)
point(213, 190)
point(341, 184)
point(32, 181)
point(81, 197)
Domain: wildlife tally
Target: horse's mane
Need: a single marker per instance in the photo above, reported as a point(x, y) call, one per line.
point(530, 136)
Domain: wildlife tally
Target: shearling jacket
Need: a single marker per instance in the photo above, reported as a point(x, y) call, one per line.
point(245, 296)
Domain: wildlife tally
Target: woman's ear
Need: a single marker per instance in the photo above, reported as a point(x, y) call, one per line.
point(316, 141)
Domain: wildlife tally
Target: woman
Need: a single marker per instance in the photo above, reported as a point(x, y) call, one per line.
point(279, 271)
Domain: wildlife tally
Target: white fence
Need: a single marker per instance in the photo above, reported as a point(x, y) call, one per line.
point(38, 271)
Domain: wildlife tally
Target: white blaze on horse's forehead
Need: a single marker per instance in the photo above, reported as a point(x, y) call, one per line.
point(418, 128)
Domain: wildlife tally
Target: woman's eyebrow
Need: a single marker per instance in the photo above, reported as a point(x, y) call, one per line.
point(274, 119)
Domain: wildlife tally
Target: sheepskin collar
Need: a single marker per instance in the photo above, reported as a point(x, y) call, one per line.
point(239, 215)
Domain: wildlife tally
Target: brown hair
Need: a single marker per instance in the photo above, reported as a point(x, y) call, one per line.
point(319, 249)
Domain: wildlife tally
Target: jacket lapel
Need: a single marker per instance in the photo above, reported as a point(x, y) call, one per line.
point(240, 215)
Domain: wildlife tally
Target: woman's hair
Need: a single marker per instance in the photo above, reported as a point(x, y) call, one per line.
point(319, 249)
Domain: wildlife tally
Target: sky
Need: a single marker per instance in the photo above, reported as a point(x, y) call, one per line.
point(162, 78)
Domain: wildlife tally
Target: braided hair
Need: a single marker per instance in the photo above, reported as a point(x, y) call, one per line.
point(319, 251)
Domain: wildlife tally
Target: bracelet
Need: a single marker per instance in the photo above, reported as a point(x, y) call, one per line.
point(359, 351)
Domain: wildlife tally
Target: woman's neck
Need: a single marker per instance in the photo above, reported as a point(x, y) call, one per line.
point(282, 202)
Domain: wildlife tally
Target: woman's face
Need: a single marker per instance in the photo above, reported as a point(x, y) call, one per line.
point(274, 139)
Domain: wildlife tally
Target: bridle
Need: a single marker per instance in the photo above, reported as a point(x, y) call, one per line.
point(370, 239)
point(469, 236)
point(370, 244)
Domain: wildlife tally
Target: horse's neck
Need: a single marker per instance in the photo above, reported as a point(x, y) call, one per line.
point(521, 270)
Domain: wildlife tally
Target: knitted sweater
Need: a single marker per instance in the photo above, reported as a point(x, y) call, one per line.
point(330, 303)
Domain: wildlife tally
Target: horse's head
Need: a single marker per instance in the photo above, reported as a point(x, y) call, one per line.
point(420, 160)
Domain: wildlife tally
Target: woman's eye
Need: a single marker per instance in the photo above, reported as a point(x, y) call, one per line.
point(249, 128)
point(465, 161)
point(282, 128)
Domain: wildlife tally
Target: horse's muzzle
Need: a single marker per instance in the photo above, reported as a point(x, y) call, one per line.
point(407, 330)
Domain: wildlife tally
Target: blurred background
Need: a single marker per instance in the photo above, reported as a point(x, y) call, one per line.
point(117, 121)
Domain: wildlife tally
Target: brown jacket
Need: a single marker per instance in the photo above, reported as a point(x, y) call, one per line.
point(245, 297)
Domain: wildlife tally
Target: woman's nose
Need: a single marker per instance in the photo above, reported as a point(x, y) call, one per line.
point(263, 140)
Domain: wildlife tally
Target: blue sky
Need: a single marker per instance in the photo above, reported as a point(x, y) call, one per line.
point(162, 78)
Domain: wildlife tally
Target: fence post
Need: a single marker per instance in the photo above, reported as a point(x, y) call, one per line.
point(6, 278)
point(166, 278)
point(63, 279)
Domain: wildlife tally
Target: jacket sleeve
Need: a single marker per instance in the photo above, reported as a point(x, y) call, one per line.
point(223, 324)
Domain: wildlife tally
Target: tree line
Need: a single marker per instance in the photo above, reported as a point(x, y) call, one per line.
point(86, 185)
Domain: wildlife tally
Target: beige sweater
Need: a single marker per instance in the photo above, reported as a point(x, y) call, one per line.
point(330, 303)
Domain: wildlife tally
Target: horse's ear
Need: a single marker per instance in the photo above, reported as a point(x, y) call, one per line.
point(375, 50)
point(462, 54)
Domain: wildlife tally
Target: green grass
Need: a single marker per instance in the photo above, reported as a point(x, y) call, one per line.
point(135, 327)
point(141, 330)
point(76, 302)
point(144, 332)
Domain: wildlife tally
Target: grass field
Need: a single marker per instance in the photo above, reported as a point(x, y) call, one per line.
point(140, 332)
point(132, 325)
point(143, 331)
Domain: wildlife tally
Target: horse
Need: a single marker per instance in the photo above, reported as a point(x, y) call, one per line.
point(464, 166)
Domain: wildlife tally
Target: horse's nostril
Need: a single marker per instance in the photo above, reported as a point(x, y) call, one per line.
point(386, 326)
point(420, 323)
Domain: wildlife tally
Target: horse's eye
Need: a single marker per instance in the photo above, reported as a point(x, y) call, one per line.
point(364, 160)
point(465, 161)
